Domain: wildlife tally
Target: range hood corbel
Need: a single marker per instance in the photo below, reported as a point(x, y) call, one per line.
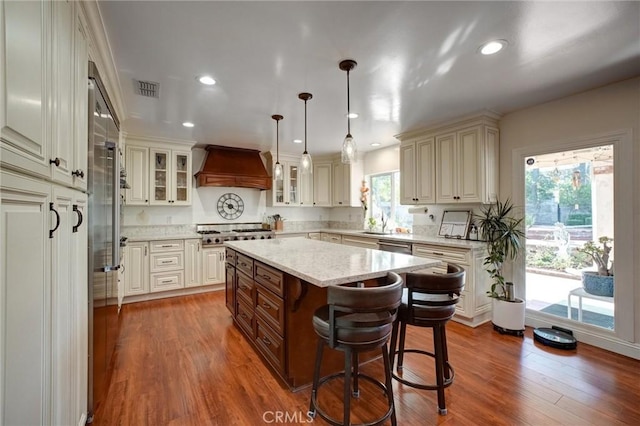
point(233, 167)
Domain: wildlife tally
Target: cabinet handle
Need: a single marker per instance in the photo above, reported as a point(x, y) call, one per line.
point(79, 173)
point(266, 341)
point(437, 254)
point(266, 306)
point(243, 315)
point(166, 245)
point(55, 161)
point(164, 262)
point(80, 218)
point(198, 246)
point(166, 281)
point(145, 250)
point(146, 201)
point(51, 208)
point(266, 277)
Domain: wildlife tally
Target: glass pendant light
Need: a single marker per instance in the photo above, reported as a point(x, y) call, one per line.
point(349, 149)
point(278, 171)
point(306, 165)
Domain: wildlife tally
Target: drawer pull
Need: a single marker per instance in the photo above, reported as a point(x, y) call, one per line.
point(266, 341)
point(438, 254)
point(266, 305)
point(164, 262)
point(166, 281)
point(167, 245)
point(243, 315)
point(266, 277)
point(244, 264)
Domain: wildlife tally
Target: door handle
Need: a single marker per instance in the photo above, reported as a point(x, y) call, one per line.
point(52, 208)
point(80, 218)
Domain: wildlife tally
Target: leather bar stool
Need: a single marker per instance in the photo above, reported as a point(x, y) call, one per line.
point(429, 300)
point(356, 320)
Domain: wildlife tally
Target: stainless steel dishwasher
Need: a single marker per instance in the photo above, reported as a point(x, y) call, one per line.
point(394, 246)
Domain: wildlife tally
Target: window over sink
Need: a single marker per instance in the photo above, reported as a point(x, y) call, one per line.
point(385, 199)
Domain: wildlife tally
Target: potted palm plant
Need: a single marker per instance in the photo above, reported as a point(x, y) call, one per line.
point(501, 230)
point(599, 282)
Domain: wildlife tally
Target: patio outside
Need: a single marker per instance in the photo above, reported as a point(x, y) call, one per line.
point(569, 201)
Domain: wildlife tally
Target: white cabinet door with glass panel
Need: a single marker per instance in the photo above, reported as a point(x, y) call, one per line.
point(286, 192)
point(170, 177)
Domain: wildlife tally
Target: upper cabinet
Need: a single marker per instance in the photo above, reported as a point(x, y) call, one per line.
point(322, 184)
point(159, 171)
point(295, 189)
point(417, 177)
point(45, 58)
point(346, 183)
point(456, 162)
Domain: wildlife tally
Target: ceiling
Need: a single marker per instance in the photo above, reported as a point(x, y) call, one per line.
point(418, 64)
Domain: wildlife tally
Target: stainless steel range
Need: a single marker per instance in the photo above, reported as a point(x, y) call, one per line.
point(216, 234)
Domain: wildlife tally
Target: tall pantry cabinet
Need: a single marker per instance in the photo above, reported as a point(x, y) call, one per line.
point(43, 250)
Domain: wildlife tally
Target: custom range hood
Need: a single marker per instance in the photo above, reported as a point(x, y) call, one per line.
point(235, 167)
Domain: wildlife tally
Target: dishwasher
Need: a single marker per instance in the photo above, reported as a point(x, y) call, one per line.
point(395, 247)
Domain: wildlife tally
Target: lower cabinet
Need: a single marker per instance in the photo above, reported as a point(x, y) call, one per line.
point(474, 307)
point(360, 242)
point(193, 263)
point(213, 263)
point(136, 271)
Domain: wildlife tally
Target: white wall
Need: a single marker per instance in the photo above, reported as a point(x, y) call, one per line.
point(382, 160)
point(579, 117)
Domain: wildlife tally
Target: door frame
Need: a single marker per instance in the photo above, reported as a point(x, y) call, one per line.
point(619, 340)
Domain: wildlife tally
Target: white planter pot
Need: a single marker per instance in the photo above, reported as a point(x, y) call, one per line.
point(508, 317)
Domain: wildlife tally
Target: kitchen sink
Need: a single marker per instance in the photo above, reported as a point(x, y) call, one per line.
point(376, 233)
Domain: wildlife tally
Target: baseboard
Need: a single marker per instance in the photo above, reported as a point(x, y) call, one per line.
point(172, 293)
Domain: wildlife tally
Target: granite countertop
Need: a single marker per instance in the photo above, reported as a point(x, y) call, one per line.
point(159, 232)
point(326, 264)
point(412, 238)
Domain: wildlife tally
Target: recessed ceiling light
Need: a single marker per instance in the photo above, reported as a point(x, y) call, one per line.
point(207, 79)
point(375, 144)
point(187, 124)
point(352, 115)
point(297, 141)
point(492, 47)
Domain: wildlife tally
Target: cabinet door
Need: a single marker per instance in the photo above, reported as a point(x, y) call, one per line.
point(408, 174)
point(160, 176)
point(278, 189)
point(137, 268)
point(213, 262)
point(25, 138)
point(338, 184)
point(137, 165)
point(425, 171)
point(193, 263)
point(81, 124)
point(181, 178)
point(293, 184)
point(446, 185)
point(306, 190)
point(230, 289)
point(63, 89)
point(322, 185)
point(25, 262)
point(470, 159)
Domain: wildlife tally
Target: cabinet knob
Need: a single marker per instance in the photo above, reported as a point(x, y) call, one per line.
point(55, 161)
point(79, 173)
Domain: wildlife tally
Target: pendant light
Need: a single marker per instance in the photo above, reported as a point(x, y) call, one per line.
point(306, 165)
point(278, 172)
point(349, 149)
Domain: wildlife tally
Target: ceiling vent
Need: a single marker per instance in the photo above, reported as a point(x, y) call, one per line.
point(149, 89)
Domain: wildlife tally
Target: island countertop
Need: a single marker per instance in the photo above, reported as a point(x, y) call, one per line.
point(325, 264)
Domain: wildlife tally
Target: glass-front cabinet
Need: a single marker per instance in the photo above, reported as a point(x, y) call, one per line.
point(160, 160)
point(170, 177)
point(181, 177)
point(286, 192)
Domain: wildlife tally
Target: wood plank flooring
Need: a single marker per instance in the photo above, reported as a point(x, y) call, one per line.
point(181, 361)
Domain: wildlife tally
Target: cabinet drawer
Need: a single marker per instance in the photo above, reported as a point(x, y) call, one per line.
point(245, 264)
point(166, 245)
point(270, 344)
point(270, 308)
point(167, 281)
point(231, 257)
point(270, 278)
point(446, 254)
point(245, 318)
point(167, 261)
point(360, 242)
point(244, 288)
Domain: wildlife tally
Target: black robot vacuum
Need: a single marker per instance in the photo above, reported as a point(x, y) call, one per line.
point(555, 337)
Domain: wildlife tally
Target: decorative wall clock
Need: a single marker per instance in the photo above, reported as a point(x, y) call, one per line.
point(230, 206)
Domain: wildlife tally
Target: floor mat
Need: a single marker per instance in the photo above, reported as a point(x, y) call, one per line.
point(588, 317)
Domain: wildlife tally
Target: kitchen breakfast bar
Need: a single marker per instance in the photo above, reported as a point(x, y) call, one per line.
point(273, 287)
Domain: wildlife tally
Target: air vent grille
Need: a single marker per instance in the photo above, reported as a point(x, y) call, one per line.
point(149, 89)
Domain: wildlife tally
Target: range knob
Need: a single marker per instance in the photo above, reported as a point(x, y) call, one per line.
point(218, 241)
point(235, 238)
point(262, 237)
point(209, 241)
point(268, 237)
point(253, 238)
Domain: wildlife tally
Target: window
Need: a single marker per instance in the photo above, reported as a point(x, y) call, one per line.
point(385, 199)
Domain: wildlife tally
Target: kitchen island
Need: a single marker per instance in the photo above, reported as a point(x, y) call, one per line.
point(273, 287)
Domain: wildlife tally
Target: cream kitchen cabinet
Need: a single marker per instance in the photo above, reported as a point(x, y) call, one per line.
point(346, 183)
point(193, 263)
point(460, 156)
point(44, 274)
point(166, 264)
point(331, 238)
point(137, 167)
point(474, 307)
point(322, 184)
point(44, 44)
point(136, 269)
point(295, 189)
point(363, 242)
point(170, 177)
point(417, 180)
point(213, 263)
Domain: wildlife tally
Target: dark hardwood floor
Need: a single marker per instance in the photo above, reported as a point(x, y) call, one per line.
point(181, 361)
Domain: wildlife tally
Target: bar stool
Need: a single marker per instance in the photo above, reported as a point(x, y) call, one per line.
point(429, 301)
point(356, 320)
